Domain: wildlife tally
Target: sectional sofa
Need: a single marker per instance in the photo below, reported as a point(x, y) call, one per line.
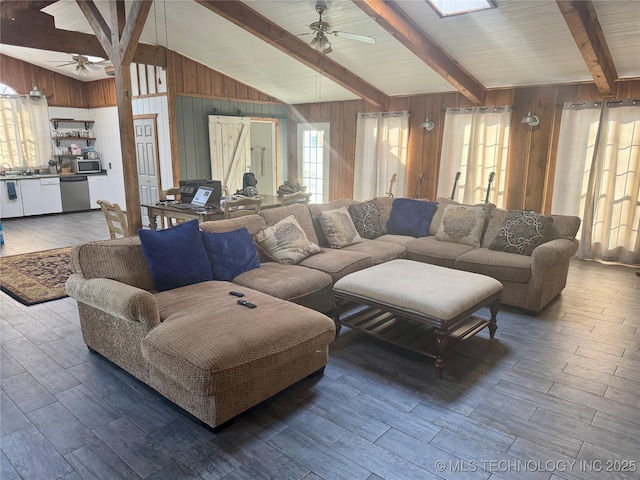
point(214, 358)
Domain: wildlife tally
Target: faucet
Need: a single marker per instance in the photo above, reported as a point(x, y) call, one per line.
point(4, 169)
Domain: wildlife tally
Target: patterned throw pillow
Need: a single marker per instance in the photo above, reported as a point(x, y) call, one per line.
point(368, 220)
point(338, 228)
point(462, 224)
point(522, 232)
point(286, 242)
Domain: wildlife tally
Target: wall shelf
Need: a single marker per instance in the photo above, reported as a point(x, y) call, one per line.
point(87, 123)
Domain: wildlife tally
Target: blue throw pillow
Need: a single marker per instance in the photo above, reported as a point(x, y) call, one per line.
point(410, 217)
point(230, 253)
point(176, 256)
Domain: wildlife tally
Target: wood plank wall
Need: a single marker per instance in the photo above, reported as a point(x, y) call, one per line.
point(61, 91)
point(532, 150)
point(197, 80)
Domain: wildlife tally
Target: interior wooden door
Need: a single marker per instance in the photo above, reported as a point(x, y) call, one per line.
point(147, 161)
point(230, 147)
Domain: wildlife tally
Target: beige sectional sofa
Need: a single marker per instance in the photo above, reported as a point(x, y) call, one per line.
point(197, 347)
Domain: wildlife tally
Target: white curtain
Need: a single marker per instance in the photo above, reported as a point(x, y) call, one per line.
point(25, 131)
point(381, 152)
point(598, 177)
point(475, 143)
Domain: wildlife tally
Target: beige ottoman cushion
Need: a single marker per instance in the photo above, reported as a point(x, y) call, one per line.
point(420, 288)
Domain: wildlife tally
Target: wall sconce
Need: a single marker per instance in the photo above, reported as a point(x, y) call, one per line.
point(36, 93)
point(428, 124)
point(531, 120)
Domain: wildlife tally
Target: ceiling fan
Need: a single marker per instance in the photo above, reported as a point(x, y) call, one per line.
point(322, 29)
point(83, 63)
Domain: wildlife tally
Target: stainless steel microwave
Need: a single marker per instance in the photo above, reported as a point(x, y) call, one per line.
point(83, 165)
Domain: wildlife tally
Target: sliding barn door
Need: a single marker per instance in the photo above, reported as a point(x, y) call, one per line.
point(230, 145)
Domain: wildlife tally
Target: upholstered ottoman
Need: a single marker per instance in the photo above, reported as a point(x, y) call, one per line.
point(423, 307)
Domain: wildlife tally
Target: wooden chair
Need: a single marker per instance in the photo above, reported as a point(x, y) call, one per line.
point(297, 197)
point(116, 219)
point(173, 192)
point(242, 206)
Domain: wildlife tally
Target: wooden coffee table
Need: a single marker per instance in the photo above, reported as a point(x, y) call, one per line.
point(426, 308)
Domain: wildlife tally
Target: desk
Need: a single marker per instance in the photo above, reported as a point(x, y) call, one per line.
point(169, 212)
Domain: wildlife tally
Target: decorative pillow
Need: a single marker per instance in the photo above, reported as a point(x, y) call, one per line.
point(462, 224)
point(338, 228)
point(230, 253)
point(286, 242)
point(368, 220)
point(410, 217)
point(176, 256)
point(522, 232)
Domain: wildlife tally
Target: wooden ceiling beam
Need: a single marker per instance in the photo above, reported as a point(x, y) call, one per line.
point(582, 20)
point(11, 9)
point(55, 40)
point(409, 33)
point(263, 28)
point(133, 28)
point(119, 39)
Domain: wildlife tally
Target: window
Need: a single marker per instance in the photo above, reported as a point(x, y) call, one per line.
point(476, 144)
point(447, 8)
point(313, 155)
point(598, 179)
point(381, 155)
point(25, 138)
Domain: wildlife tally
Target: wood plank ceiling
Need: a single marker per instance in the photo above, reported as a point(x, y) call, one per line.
point(263, 44)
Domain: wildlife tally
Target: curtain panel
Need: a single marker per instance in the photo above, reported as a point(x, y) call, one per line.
point(475, 143)
point(25, 132)
point(598, 177)
point(381, 152)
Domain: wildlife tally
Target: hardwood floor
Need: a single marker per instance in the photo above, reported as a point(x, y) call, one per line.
point(552, 397)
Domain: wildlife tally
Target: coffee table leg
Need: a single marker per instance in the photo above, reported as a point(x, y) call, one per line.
point(441, 347)
point(493, 326)
point(336, 314)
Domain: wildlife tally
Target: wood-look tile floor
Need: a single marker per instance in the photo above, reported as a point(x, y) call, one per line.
point(555, 396)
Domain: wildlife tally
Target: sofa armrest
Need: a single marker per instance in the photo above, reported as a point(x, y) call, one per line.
point(115, 298)
point(553, 252)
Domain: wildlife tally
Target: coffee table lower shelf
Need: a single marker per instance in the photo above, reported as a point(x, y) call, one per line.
point(423, 335)
point(407, 333)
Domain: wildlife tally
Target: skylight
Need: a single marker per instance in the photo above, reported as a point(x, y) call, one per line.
point(446, 8)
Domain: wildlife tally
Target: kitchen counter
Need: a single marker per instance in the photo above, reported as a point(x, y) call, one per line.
point(47, 175)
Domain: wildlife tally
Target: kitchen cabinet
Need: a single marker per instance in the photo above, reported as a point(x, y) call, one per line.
point(10, 208)
point(31, 196)
point(36, 196)
point(51, 199)
point(98, 189)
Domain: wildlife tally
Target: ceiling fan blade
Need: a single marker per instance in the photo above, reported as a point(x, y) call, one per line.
point(93, 66)
point(65, 64)
point(355, 36)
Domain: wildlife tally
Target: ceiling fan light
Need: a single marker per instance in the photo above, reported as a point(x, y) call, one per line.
point(325, 45)
point(81, 71)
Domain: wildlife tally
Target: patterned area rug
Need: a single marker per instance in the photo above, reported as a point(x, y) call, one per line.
point(36, 277)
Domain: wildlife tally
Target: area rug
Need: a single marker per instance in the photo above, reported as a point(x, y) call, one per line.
point(36, 277)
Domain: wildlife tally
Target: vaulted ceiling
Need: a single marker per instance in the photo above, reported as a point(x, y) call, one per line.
point(261, 43)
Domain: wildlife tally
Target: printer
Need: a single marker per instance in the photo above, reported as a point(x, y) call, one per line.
point(188, 189)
